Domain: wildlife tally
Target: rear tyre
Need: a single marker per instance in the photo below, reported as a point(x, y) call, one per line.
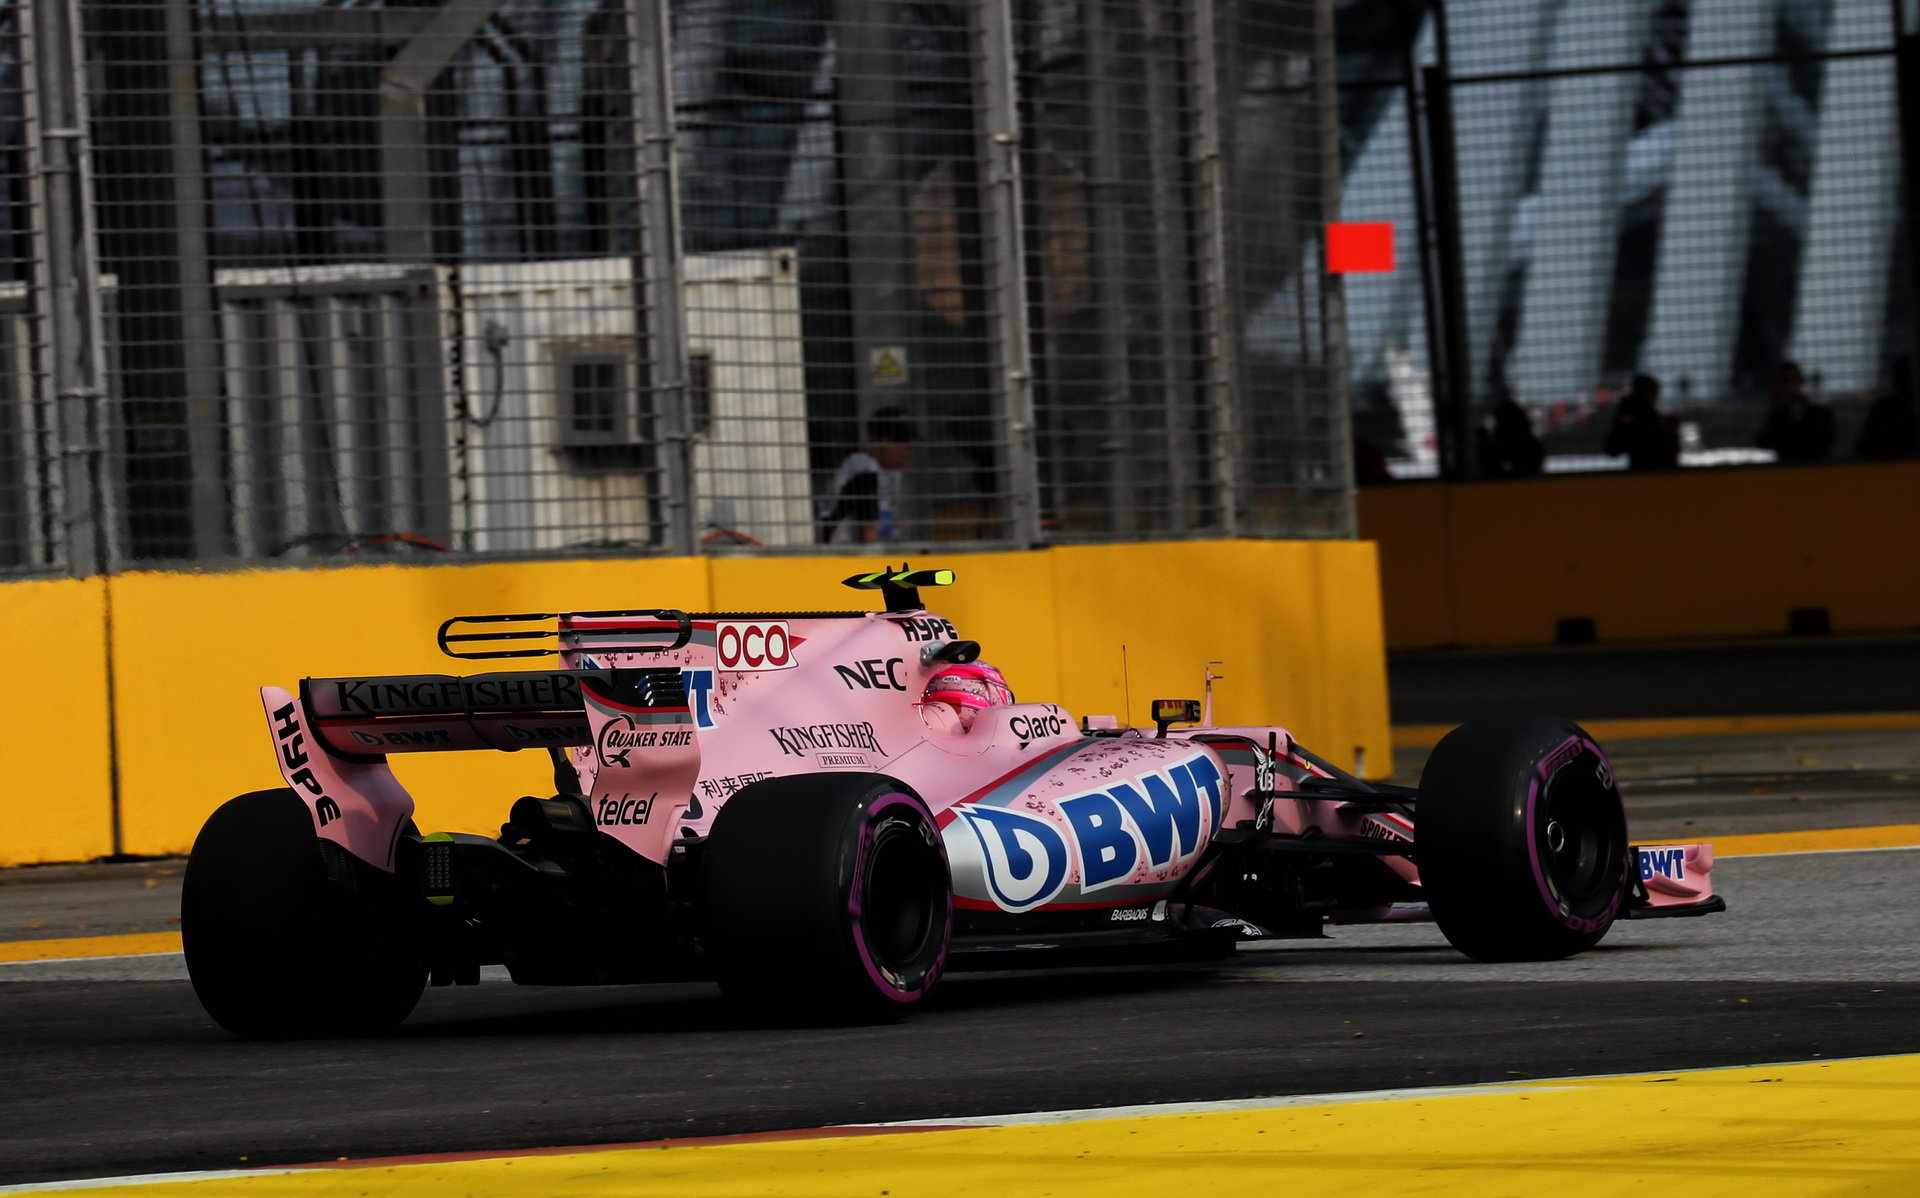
point(1521, 839)
point(828, 898)
point(278, 948)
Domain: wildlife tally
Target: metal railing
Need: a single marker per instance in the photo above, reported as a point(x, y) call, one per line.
point(292, 280)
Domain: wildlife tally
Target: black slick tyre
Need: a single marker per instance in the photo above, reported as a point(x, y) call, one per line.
point(277, 947)
point(1521, 839)
point(828, 899)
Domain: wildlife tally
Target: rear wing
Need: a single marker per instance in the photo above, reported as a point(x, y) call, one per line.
point(364, 717)
point(637, 721)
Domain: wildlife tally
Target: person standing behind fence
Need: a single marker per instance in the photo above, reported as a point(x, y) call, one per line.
point(1649, 437)
point(1510, 449)
point(1890, 431)
point(865, 501)
point(1798, 428)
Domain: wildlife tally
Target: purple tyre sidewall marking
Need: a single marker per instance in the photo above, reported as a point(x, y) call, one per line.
point(1551, 764)
point(876, 812)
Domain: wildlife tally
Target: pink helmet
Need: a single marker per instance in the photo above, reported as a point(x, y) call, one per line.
point(968, 688)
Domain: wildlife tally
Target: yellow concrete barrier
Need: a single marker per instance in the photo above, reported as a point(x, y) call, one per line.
point(192, 735)
point(56, 735)
point(1692, 553)
point(1296, 627)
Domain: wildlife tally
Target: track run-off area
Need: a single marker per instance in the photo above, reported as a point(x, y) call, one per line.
point(1771, 1050)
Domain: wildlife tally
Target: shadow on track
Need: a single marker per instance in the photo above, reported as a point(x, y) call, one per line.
point(680, 1009)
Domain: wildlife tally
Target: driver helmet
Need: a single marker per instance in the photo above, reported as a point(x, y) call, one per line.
point(967, 689)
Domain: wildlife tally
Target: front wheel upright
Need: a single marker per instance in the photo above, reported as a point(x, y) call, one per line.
point(1521, 839)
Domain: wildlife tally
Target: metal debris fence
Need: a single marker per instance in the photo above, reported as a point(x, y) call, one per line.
point(1695, 190)
point(306, 280)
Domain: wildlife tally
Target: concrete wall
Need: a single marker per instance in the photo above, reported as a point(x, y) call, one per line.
point(1720, 553)
point(1296, 626)
point(56, 725)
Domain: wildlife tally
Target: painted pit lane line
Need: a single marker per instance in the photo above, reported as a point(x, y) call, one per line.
point(1823, 840)
point(137, 944)
point(1759, 844)
point(1799, 1128)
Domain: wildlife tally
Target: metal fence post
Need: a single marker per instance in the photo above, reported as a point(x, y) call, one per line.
point(1453, 397)
point(199, 321)
point(406, 80)
point(1332, 289)
point(69, 283)
point(1110, 182)
point(1907, 82)
point(659, 270)
point(1006, 263)
point(1174, 271)
point(871, 102)
point(1221, 316)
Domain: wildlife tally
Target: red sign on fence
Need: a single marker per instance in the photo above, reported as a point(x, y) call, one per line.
point(1359, 248)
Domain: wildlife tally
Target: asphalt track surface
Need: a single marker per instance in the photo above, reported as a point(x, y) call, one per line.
point(112, 1069)
point(1719, 678)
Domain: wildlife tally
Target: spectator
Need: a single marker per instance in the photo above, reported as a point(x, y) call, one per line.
point(1510, 449)
point(1890, 428)
point(865, 503)
point(1648, 437)
point(1797, 428)
point(1369, 463)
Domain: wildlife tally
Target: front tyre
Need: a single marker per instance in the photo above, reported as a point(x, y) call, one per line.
point(828, 898)
point(276, 947)
point(1521, 839)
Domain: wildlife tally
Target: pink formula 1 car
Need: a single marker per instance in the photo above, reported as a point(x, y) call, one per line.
point(825, 811)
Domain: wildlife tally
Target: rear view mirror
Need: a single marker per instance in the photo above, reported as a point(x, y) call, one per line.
point(1168, 712)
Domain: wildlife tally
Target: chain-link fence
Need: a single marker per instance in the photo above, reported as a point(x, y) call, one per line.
point(290, 280)
point(1706, 193)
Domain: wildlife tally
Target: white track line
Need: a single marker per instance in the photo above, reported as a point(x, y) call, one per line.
point(150, 1179)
